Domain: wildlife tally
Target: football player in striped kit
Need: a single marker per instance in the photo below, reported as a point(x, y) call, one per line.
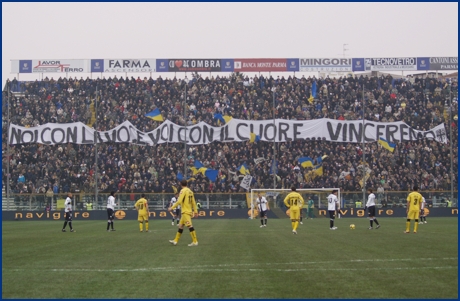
point(263, 207)
point(332, 205)
point(175, 212)
point(68, 212)
point(370, 205)
point(110, 211)
point(422, 211)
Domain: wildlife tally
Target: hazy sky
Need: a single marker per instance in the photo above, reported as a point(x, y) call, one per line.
point(225, 30)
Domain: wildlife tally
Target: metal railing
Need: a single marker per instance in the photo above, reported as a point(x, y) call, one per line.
point(126, 201)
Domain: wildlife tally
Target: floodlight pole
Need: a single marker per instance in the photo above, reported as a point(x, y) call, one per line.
point(364, 152)
point(344, 49)
point(274, 141)
point(95, 150)
point(8, 151)
point(451, 141)
point(185, 138)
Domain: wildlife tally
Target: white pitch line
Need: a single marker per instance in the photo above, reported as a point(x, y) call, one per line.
point(218, 267)
point(175, 269)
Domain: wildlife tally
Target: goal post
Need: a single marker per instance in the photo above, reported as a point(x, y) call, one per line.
point(275, 197)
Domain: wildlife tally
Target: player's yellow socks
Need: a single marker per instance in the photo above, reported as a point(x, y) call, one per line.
point(140, 226)
point(178, 234)
point(147, 226)
point(416, 226)
point(296, 224)
point(407, 226)
point(193, 235)
point(293, 225)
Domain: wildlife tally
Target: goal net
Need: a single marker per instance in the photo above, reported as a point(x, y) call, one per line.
point(275, 198)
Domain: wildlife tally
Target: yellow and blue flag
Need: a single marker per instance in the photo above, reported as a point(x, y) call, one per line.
point(254, 138)
point(319, 160)
point(219, 117)
point(211, 174)
point(319, 170)
point(386, 144)
point(366, 177)
point(222, 119)
point(155, 115)
point(227, 118)
point(198, 164)
point(306, 162)
point(203, 170)
point(180, 177)
point(243, 169)
point(194, 170)
point(313, 89)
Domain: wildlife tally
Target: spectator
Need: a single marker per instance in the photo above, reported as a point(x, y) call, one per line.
point(49, 196)
point(418, 102)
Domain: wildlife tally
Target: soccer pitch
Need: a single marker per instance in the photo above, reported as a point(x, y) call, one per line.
point(235, 259)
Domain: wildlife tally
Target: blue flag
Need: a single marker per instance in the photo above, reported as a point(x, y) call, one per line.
point(179, 176)
point(313, 89)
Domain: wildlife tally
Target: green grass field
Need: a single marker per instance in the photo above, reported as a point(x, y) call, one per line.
point(235, 259)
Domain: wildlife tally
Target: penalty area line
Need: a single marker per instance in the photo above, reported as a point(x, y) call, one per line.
point(247, 266)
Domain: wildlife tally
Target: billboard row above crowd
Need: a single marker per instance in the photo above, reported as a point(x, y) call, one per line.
point(333, 64)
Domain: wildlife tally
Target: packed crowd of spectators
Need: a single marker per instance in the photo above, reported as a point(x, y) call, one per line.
point(422, 103)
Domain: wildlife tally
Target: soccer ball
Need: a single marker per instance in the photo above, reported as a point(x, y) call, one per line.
point(352, 227)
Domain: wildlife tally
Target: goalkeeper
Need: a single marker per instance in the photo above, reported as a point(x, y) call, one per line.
point(310, 207)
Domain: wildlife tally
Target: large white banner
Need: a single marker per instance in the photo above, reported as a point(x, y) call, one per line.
point(235, 130)
point(50, 66)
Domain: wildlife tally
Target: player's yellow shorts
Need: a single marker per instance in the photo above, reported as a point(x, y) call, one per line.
point(413, 214)
point(143, 217)
point(294, 212)
point(186, 219)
